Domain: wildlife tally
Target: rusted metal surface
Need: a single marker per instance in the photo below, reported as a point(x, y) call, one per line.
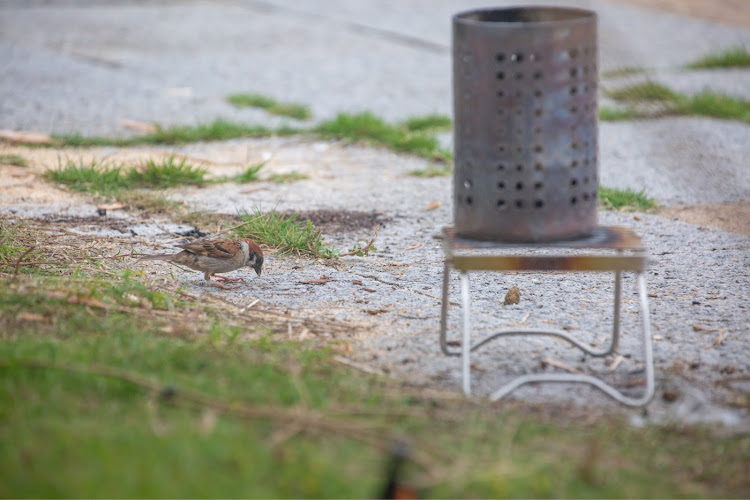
point(549, 263)
point(601, 237)
point(620, 239)
point(526, 164)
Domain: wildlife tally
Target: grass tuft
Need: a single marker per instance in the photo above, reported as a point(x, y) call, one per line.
point(625, 199)
point(104, 179)
point(646, 91)
point(287, 177)
point(705, 103)
point(165, 174)
point(432, 172)
point(716, 105)
point(737, 57)
point(250, 174)
point(14, 160)
point(619, 114)
point(217, 130)
point(624, 71)
point(292, 110)
point(97, 177)
point(368, 128)
point(428, 123)
point(284, 233)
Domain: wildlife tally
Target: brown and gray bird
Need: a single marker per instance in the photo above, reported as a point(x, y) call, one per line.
point(216, 256)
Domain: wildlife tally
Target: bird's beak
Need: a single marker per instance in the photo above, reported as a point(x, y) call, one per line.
point(258, 269)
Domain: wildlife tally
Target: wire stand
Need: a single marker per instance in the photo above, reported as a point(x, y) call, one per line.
point(630, 257)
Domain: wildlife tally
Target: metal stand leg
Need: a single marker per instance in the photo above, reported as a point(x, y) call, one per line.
point(444, 312)
point(466, 338)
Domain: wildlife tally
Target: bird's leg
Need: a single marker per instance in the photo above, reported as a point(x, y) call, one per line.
point(207, 277)
point(220, 285)
point(228, 280)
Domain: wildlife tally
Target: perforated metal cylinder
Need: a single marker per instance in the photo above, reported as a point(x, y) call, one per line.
point(525, 135)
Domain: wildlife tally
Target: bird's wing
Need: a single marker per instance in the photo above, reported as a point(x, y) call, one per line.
point(218, 249)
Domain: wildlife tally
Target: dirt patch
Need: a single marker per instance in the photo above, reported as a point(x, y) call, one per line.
point(732, 217)
point(342, 221)
point(735, 12)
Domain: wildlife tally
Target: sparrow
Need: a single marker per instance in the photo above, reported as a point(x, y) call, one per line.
point(216, 256)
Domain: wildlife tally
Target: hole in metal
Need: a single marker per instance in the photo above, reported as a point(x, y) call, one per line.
point(538, 203)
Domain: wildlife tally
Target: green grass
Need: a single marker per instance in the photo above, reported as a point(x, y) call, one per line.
point(14, 160)
point(287, 177)
point(414, 136)
point(368, 128)
point(737, 57)
point(716, 105)
point(646, 91)
point(111, 389)
point(97, 177)
point(217, 130)
point(250, 174)
point(105, 179)
point(705, 103)
point(165, 174)
point(608, 114)
point(624, 71)
point(285, 233)
point(291, 110)
point(428, 123)
point(625, 199)
point(432, 172)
